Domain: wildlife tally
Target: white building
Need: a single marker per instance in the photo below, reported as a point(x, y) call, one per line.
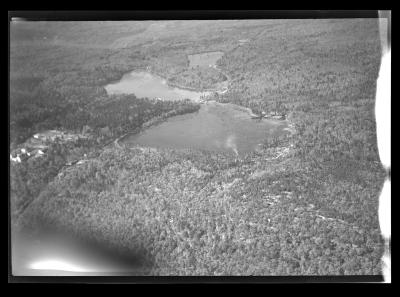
point(16, 159)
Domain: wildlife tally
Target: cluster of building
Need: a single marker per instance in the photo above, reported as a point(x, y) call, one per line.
point(22, 154)
point(271, 115)
point(37, 145)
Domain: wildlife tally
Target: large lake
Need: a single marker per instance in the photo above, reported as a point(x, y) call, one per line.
point(215, 127)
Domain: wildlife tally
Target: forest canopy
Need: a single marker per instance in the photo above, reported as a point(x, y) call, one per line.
point(309, 211)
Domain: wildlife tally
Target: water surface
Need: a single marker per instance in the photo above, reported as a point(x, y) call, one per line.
point(208, 59)
point(144, 84)
point(215, 127)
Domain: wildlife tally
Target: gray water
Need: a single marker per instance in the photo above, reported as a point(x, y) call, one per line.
point(215, 127)
point(208, 59)
point(144, 84)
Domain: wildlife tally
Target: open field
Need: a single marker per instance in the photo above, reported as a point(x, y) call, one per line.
point(303, 204)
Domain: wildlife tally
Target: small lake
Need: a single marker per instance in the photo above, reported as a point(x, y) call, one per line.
point(215, 127)
point(144, 84)
point(208, 59)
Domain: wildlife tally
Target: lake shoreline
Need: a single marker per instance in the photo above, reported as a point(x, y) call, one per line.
point(176, 85)
point(119, 142)
point(150, 123)
point(236, 141)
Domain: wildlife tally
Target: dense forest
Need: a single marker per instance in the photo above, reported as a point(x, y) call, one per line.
point(199, 78)
point(309, 211)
